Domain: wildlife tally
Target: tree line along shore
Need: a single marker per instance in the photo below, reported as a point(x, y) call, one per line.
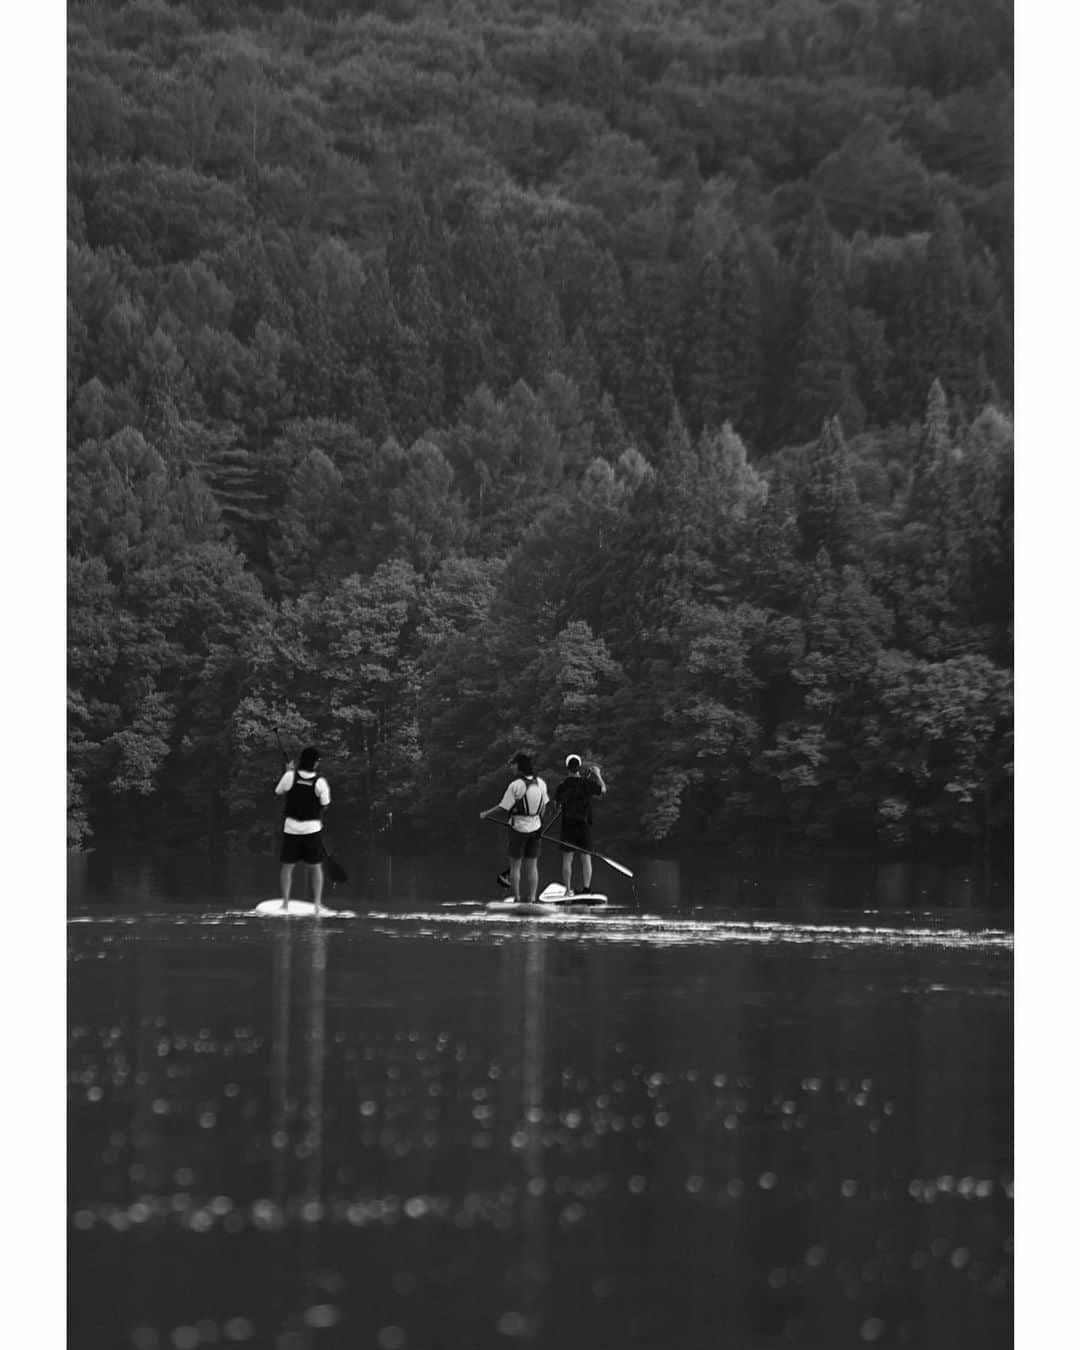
point(628, 379)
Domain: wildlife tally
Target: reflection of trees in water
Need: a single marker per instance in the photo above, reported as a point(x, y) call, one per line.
point(298, 1124)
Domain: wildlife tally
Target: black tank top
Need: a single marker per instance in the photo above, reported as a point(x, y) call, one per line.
point(301, 800)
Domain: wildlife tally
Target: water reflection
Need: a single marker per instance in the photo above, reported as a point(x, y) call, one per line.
point(417, 1131)
point(794, 888)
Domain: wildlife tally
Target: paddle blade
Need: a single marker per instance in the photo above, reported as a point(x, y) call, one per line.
point(334, 869)
point(617, 866)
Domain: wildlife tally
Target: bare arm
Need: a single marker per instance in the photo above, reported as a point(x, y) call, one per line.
point(509, 797)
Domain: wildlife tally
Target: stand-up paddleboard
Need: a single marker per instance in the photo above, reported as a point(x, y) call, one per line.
point(299, 909)
point(551, 897)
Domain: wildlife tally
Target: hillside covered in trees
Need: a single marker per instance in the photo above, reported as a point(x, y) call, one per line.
point(630, 377)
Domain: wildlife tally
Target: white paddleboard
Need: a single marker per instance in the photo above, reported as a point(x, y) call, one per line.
point(555, 894)
point(551, 897)
point(299, 909)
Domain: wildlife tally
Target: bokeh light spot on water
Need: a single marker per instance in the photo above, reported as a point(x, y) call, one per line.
point(239, 1329)
point(778, 1278)
point(185, 1338)
point(871, 1329)
point(83, 1219)
point(849, 1188)
point(265, 1214)
point(512, 1324)
point(767, 1181)
point(391, 1338)
point(694, 1184)
point(814, 1256)
point(322, 1315)
point(959, 1259)
point(636, 1184)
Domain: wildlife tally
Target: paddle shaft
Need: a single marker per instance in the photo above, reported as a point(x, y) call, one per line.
point(618, 866)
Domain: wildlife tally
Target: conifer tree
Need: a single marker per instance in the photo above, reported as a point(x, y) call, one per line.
point(827, 502)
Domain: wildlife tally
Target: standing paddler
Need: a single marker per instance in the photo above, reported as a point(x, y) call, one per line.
point(524, 800)
point(307, 794)
point(574, 795)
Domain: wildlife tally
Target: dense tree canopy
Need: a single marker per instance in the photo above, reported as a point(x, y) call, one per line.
point(630, 378)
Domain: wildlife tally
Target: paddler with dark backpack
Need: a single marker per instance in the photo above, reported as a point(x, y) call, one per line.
point(306, 794)
point(574, 796)
point(525, 801)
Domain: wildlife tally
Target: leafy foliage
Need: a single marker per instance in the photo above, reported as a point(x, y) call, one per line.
point(628, 379)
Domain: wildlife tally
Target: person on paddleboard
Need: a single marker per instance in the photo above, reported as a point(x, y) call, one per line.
point(307, 795)
point(525, 801)
point(575, 796)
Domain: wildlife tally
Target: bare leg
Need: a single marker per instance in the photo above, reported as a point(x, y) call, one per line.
point(532, 879)
point(515, 879)
point(586, 871)
point(286, 882)
point(317, 884)
point(567, 870)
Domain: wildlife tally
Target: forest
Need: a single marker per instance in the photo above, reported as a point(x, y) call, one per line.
point(632, 378)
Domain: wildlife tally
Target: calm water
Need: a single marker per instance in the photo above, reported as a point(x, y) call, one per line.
point(745, 1110)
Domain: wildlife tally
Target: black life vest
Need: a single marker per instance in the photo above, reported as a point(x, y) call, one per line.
point(575, 797)
point(301, 800)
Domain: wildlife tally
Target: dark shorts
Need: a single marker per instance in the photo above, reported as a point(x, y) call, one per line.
point(577, 832)
point(305, 848)
point(525, 845)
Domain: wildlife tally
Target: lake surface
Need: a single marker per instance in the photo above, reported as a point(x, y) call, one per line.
point(745, 1108)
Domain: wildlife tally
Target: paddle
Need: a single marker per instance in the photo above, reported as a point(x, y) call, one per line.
point(618, 866)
